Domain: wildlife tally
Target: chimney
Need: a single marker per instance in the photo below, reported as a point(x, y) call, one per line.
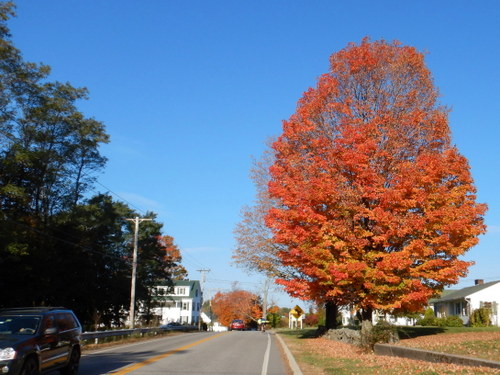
point(478, 281)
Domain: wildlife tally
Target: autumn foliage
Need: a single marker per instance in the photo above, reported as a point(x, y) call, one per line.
point(236, 304)
point(375, 205)
point(172, 258)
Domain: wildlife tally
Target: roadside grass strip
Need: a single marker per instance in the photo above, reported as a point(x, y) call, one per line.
point(151, 360)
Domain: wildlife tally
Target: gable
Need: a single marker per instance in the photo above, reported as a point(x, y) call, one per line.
point(192, 289)
point(465, 292)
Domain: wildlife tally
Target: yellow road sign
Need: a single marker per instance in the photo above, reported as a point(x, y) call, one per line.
point(297, 312)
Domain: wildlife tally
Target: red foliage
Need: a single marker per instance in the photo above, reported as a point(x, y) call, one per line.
point(172, 258)
point(237, 304)
point(311, 320)
point(375, 205)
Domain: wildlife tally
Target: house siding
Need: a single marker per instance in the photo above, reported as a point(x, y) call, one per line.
point(463, 302)
point(179, 303)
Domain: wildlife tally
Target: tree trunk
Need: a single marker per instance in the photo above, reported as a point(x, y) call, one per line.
point(366, 314)
point(331, 312)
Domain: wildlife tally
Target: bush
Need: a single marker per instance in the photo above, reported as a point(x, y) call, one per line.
point(449, 321)
point(429, 318)
point(382, 332)
point(480, 317)
point(311, 320)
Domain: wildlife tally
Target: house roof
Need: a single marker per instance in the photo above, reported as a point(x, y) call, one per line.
point(192, 284)
point(444, 293)
point(462, 293)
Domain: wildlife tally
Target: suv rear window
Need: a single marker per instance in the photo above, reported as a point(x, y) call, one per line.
point(66, 321)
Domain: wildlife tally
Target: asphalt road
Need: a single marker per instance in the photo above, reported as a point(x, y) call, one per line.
point(231, 353)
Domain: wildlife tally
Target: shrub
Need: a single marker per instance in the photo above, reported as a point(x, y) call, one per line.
point(311, 320)
point(382, 332)
point(480, 317)
point(449, 321)
point(429, 318)
point(454, 321)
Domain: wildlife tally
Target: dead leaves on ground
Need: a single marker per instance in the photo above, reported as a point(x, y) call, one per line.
point(369, 363)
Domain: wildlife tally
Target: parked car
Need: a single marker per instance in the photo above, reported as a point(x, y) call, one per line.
point(39, 340)
point(237, 324)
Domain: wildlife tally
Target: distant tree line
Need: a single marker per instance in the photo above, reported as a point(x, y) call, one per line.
point(58, 244)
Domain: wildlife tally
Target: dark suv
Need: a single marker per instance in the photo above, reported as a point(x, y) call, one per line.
point(36, 340)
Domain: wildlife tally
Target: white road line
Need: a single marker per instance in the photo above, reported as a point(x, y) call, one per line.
point(266, 356)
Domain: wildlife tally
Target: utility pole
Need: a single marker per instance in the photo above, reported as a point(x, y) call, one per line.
point(136, 221)
point(202, 285)
point(203, 277)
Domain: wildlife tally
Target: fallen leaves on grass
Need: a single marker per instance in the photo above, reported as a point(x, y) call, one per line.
point(484, 345)
point(369, 363)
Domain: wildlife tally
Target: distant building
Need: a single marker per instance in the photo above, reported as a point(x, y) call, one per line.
point(180, 302)
point(463, 302)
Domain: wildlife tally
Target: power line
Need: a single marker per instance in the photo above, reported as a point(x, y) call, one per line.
point(119, 197)
point(232, 282)
point(194, 261)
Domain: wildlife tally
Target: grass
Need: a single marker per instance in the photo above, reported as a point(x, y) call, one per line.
point(479, 349)
point(318, 356)
point(479, 342)
point(315, 361)
point(411, 332)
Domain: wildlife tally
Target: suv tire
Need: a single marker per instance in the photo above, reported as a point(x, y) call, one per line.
point(72, 367)
point(30, 367)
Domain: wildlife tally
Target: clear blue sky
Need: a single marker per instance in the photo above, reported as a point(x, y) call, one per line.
point(190, 90)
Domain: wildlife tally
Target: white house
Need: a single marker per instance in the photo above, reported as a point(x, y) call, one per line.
point(179, 303)
point(464, 301)
point(348, 316)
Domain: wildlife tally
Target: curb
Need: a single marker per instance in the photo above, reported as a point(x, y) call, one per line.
point(291, 360)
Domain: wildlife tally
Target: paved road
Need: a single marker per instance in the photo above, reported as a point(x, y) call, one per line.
point(231, 353)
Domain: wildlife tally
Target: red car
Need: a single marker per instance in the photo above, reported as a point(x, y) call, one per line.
point(237, 324)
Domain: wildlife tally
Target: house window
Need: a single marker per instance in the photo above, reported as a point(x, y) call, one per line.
point(178, 304)
point(181, 291)
point(185, 306)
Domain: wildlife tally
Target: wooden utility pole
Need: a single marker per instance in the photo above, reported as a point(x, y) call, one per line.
point(202, 286)
point(136, 221)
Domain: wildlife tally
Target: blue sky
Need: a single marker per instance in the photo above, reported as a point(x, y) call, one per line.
point(190, 90)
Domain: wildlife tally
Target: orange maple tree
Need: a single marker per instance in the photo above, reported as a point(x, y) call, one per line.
point(172, 258)
point(376, 205)
point(236, 304)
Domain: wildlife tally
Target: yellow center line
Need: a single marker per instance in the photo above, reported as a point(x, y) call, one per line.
point(148, 361)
